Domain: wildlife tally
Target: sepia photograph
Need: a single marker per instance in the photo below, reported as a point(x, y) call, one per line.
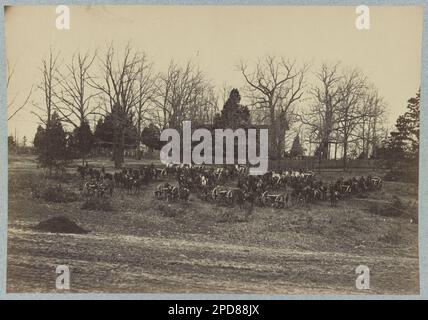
point(213, 149)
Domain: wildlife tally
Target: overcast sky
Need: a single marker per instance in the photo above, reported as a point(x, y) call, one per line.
point(217, 38)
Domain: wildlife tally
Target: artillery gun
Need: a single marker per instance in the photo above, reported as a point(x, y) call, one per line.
point(273, 200)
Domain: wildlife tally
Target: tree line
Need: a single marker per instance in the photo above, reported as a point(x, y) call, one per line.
point(334, 108)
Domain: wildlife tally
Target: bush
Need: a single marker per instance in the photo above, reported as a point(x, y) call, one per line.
point(97, 204)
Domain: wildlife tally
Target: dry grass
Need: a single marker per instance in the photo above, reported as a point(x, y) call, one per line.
point(97, 204)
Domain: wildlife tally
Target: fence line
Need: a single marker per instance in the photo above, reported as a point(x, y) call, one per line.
point(315, 164)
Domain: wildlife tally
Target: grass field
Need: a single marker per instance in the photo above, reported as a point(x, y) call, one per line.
point(148, 246)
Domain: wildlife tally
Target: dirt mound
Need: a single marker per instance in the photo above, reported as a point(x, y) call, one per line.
point(60, 225)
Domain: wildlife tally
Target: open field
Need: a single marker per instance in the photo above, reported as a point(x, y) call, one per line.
point(147, 245)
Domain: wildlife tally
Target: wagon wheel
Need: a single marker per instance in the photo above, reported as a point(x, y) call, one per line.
point(280, 201)
point(230, 198)
point(258, 199)
point(168, 195)
point(159, 192)
point(175, 192)
point(214, 193)
point(265, 198)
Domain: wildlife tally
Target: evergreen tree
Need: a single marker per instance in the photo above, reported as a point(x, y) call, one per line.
point(11, 144)
point(296, 149)
point(104, 131)
point(150, 136)
point(233, 115)
point(51, 144)
point(404, 141)
point(82, 140)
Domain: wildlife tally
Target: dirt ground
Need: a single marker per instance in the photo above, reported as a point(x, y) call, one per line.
point(149, 246)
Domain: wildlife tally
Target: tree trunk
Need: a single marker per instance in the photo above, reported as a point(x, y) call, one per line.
point(345, 152)
point(374, 139)
point(363, 133)
point(272, 140)
point(118, 156)
point(139, 136)
point(335, 150)
point(281, 142)
point(115, 142)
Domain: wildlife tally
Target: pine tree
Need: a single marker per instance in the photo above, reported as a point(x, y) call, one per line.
point(296, 149)
point(150, 136)
point(104, 131)
point(51, 144)
point(404, 141)
point(233, 115)
point(82, 140)
point(11, 144)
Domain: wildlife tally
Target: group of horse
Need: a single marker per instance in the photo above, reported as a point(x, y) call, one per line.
point(229, 185)
point(99, 183)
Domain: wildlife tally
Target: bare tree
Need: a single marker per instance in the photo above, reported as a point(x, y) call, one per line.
point(48, 86)
point(369, 130)
point(145, 92)
point(225, 92)
point(11, 105)
point(119, 89)
point(275, 85)
point(204, 105)
point(182, 93)
point(73, 95)
point(322, 114)
point(350, 112)
point(50, 140)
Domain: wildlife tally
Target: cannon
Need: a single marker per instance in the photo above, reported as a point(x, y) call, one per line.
point(376, 182)
point(220, 194)
point(163, 190)
point(179, 193)
point(345, 190)
point(273, 200)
